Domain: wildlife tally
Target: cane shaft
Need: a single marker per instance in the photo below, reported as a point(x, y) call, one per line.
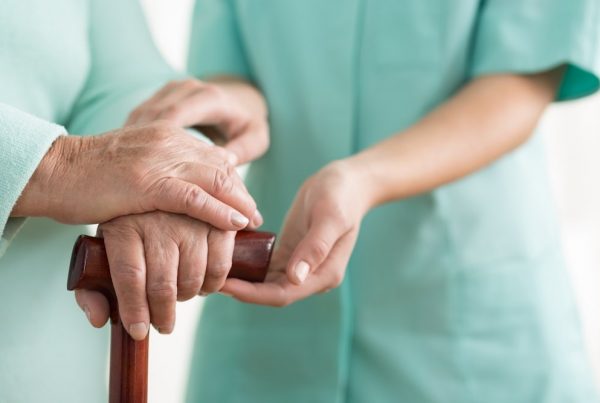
point(129, 358)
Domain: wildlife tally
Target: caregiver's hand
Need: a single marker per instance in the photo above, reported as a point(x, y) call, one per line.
point(230, 104)
point(316, 241)
point(155, 260)
point(134, 170)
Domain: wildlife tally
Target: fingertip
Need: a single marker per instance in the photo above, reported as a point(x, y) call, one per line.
point(164, 329)
point(298, 272)
point(138, 331)
point(238, 220)
point(97, 320)
point(94, 305)
point(257, 220)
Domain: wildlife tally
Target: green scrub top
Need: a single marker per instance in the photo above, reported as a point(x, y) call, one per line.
point(82, 64)
point(457, 295)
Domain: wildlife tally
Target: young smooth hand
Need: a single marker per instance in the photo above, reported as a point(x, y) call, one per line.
point(316, 241)
point(231, 105)
point(157, 259)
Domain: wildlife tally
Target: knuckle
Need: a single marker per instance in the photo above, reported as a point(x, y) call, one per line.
point(218, 270)
point(189, 288)
point(162, 291)
point(194, 197)
point(181, 168)
point(118, 229)
point(158, 194)
point(337, 278)
point(319, 249)
point(338, 217)
point(170, 112)
point(160, 130)
point(159, 126)
point(190, 84)
point(230, 170)
point(153, 110)
point(129, 273)
point(191, 282)
point(160, 188)
point(212, 90)
point(220, 239)
point(172, 84)
point(139, 174)
point(222, 183)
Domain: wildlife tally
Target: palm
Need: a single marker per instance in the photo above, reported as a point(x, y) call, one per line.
point(319, 231)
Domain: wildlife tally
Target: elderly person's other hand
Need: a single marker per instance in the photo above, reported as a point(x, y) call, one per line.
point(230, 104)
point(155, 260)
point(137, 169)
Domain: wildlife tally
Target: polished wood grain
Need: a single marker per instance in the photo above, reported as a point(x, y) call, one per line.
point(129, 358)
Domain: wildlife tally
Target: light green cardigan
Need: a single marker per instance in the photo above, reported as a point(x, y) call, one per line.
point(66, 66)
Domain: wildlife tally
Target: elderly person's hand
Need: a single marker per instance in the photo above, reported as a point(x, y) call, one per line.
point(230, 104)
point(155, 260)
point(137, 169)
point(317, 239)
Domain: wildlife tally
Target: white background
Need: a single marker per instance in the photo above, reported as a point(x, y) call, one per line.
point(573, 136)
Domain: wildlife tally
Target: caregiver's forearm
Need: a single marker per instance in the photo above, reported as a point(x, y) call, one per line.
point(489, 117)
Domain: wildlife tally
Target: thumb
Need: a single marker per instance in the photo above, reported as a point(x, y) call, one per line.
point(95, 305)
point(313, 249)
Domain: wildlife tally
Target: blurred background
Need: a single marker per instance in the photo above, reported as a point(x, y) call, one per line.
point(572, 133)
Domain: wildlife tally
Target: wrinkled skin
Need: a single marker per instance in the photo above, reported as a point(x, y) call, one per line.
point(157, 259)
point(133, 170)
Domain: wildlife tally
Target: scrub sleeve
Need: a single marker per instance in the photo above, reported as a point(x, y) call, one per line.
point(532, 36)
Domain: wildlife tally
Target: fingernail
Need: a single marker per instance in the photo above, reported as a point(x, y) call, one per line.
point(239, 220)
point(87, 313)
point(203, 294)
point(164, 330)
point(138, 330)
point(257, 220)
point(225, 293)
point(301, 271)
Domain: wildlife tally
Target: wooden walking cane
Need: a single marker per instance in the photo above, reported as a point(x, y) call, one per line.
point(129, 358)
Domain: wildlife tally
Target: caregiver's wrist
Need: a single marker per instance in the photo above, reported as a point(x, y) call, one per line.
point(370, 172)
point(354, 172)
